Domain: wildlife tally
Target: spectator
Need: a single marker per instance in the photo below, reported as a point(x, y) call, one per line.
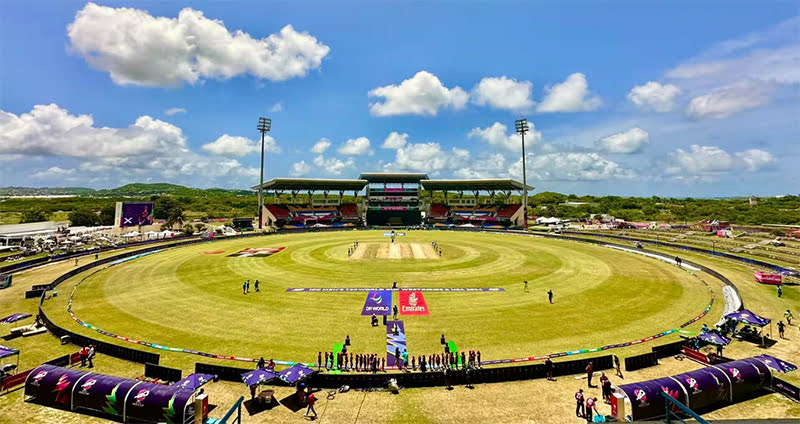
point(463, 359)
point(442, 340)
point(394, 309)
point(261, 363)
point(252, 392)
point(719, 350)
point(479, 358)
point(616, 365)
point(781, 328)
point(84, 353)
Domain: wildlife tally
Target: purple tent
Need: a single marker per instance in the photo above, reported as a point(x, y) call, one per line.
point(14, 318)
point(295, 373)
point(7, 351)
point(714, 338)
point(747, 317)
point(260, 376)
point(135, 401)
point(193, 381)
point(776, 363)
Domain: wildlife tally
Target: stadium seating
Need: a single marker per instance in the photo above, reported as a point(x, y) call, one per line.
point(506, 212)
point(349, 211)
point(438, 211)
point(278, 211)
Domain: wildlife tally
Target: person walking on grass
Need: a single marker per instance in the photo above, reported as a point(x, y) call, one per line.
point(616, 365)
point(780, 290)
point(311, 400)
point(550, 296)
point(788, 315)
point(580, 410)
point(394, 309)
point(589, 373)
point(781, 328)
point(244, 287)
point(525, 285)
point(255, 285)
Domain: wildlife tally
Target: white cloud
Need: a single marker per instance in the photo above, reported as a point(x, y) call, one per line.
point(395, 141)
point(503, 93)
point(491, 166)
point(355, 146)
point(755, 159)
point(300, 169)
point(569, 166)
point(654, 96)
point(54, 172)
point(427, 157)
point(137, 48)
point(630, 141)
point(277, 107)
point(174, 111)
point(729, 100)
point(333, 166)
point(572, 95)
point(147, 148)
point(709, 162)
point(229, 145)
point(321, 146)
point(496, 136)
point(422, 94)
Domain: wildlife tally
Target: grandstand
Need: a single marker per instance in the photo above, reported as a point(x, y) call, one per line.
point(394, 199)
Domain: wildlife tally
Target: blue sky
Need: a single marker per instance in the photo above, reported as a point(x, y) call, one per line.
point(629, 98)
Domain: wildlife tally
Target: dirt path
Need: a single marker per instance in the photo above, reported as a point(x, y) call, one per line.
point(359, 253)
point(395, 251)
point(430, 252)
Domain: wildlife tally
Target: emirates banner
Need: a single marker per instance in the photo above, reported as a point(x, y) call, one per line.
point(763, 278)
point(412, 303)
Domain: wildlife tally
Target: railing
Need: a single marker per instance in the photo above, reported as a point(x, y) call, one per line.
point(672, 403)
point(237, 408)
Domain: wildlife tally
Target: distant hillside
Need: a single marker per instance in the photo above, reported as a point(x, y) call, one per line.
point(129, 190)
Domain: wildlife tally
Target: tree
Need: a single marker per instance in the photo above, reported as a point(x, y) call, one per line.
point(33, 215)
point(107, 214)
point(83, 218)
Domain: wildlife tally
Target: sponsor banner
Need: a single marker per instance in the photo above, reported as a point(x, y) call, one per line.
point(394, 234)
point(256, 252)
point(101, 393)
point(151, 402)
point(136, 214)
point(412, 303)
point(785, 388)
point(15, 380)
point(378, 302)
point(764, 278)
point(426, 289)
point(394, 342)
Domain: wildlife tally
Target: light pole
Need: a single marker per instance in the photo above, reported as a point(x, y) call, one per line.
point(522, 128)
point(264, 125)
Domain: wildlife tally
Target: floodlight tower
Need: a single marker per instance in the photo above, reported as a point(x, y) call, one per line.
point(522, 128)
point(264, 125)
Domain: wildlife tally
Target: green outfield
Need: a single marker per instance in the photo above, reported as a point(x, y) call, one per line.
point(191, 297)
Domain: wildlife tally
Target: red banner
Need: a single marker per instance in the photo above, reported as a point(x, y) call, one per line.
point(412, 303)
point(762, 278)
point(15, 380)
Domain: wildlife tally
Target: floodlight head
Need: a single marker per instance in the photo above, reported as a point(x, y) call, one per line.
point(264, 124)
point(521, 125)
